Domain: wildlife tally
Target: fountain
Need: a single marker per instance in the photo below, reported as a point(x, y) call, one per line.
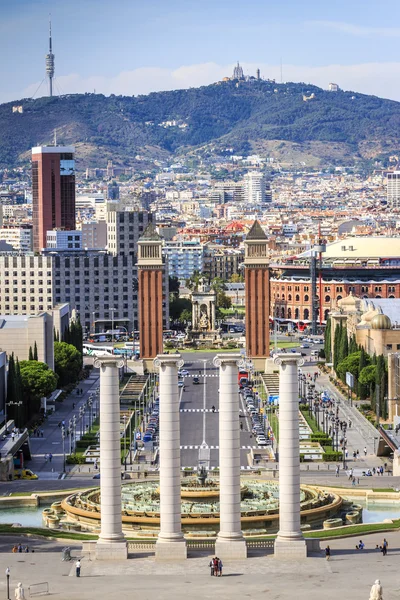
point(199, 507)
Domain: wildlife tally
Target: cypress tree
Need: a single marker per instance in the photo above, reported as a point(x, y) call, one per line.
point(381, 381)
point(362, 389)
point(30, 356)
point(336, 345)
point(328, 340)
point(35, 352)
point(353, 347)
point(344, 345)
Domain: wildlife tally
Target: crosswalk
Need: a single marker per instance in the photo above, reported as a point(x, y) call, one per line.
point(200, 410)
point(186, 467)
point(217, 447)
point(200, 375)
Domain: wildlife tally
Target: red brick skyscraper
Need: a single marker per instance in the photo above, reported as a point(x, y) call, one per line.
point(150, 304)
point(53, 191)
point(257, 294)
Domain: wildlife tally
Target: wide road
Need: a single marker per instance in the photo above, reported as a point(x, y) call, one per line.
point(199, 425)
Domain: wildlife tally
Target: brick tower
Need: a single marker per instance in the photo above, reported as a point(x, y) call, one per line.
point(150, 303)
point(257, 295)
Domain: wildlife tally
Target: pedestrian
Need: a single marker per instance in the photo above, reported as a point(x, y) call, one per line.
point(211, 565)
point(14, 549)
point(26, 548)
point(355, 455)
point(220, 565)
point(337, 470)
point(50, 456)
point(384, 546)
point(353, 481)
point(358, 454)
point(12, 435)
point(78, 568)
point(327, 553)
point(349, 423)
point(215, 564)
point(346, 453)
point(365, 450)
point(81, 391)
point(42, 433)
point(45, 458)
point(19, 547)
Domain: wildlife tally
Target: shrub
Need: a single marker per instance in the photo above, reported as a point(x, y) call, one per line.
point(331, 456)
point(75, 459)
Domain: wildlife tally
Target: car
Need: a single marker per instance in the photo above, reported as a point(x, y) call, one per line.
point(294, 350)
point(147, 437)
point(196, 381)
point(183, 373)
point(262, 442)
point(305, 346)
point(25, 474)
point(180, 384)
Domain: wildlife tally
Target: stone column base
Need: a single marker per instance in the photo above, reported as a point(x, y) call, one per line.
point(111, 551)
point(171, 551)
point(290, 549)
point(230, 550)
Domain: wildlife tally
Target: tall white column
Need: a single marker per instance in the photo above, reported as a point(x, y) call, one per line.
point(230, 543)
point(171, 544)
point(111, 543)
point(290, 543)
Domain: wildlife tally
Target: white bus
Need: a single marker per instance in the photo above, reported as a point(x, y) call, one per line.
point(90, 350)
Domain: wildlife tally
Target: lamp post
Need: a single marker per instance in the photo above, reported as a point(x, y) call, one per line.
point(74, 428)
point(130, 436)
point(63, 443)
point(125, 453)
point(344, 445)
point(8, 582)
point(70, 435)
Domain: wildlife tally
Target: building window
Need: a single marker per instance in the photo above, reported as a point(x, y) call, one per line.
point(306, 298)
point(327, 298)
point(297, 299)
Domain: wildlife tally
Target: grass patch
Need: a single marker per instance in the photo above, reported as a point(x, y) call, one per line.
point(310, 421)
point(274, 423)
point(384, 490)
point(27, 494)
point(48, 533)
point(362, 528)
point(284, 344)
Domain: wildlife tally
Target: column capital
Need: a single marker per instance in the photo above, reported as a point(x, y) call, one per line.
point(108, 361)
point(228, 359)
point(172, 360)
point(289, 359)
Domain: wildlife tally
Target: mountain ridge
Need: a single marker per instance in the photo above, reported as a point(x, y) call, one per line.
point(292, 119)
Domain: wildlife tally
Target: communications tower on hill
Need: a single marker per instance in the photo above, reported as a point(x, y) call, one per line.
point(50, 63)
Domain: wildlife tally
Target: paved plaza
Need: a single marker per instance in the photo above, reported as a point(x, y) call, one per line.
point(349, 574)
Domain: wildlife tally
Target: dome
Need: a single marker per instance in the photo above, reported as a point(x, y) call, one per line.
point(381, 322)
point(350, 302)
point(369, 315)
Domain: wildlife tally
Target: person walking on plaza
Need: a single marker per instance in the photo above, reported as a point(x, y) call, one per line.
point(78, 567)
point(215, 564)
point(211, 565)
point(220, 565)
point(337, 470)
point(327, 553)
point(384, 546)
point(365, 450)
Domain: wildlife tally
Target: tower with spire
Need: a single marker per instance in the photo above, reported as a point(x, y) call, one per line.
point(50, 62)
point(238, 72)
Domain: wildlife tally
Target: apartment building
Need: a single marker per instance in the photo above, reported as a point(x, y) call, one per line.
point(124, 228)
point(184, 258)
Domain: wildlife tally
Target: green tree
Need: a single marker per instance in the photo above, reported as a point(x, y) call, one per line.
point(194, 281)
point(35, 352)
point(367, 378)
point(353, 346)
point(236, 278)
point(178, 306)
point(30, 354)
point(362, 389)
point(381, 385)
point(344, 345)
point(186, 315)
point(328, 340)
point(173, 285)
point(350, 363)
point(37, 381)
point(336, 345)
point(67, 362)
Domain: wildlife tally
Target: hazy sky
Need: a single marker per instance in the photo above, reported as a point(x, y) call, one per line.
point(132, 47)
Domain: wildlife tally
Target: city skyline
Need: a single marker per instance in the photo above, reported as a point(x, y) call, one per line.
point(125, 48)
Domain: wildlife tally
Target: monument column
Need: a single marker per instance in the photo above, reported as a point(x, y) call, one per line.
point(290, 543)
point(230, 543)
point(111, 543)
point(171, 544)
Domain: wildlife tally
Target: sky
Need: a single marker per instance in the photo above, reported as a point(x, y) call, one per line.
point(135, 47)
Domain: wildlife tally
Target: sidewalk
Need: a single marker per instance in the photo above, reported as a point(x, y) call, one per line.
point(360, 435)
point(51, 442)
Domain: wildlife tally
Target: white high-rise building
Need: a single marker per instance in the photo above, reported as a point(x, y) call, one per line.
point(393, 188)
point(254, 187)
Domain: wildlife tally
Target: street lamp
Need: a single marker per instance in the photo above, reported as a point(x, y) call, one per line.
point(8, 582)
point(63, 443)
point(344, 445)
point(125, 453)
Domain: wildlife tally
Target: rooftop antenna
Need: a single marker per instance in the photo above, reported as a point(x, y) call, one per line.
point(50, 62)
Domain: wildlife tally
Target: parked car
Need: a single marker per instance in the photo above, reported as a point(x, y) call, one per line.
point(180, 383)
point(25, 474)
point(196, 381)
point(183, 373)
